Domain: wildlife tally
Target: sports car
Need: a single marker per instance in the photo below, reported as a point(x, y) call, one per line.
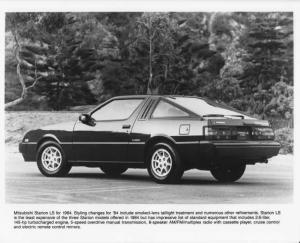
point(165, 134)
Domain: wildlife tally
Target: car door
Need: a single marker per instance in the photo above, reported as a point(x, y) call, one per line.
point(108, 139)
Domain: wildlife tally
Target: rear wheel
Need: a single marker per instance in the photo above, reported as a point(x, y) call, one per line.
point(164, 164)
point(113, 170)
point(51, 160)
point(228, 173)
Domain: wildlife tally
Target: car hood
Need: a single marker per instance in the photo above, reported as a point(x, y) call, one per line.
point(65, 126)
point(61, 132)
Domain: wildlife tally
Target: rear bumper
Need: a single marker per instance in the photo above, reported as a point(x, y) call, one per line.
point(247, 151)
point(28, 151)
point(204, 153)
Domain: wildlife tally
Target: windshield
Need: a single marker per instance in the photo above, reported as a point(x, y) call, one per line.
point(207, 108)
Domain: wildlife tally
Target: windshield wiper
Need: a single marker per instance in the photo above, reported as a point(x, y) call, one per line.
point(221, 115)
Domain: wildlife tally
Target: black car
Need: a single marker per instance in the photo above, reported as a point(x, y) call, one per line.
point(165, 134)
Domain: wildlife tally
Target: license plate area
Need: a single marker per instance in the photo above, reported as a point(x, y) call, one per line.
point(240, 133)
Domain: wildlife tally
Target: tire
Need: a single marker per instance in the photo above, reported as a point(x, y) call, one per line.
point(164, 164)
point(51, 160)
point(228, 173)
point(113, 170)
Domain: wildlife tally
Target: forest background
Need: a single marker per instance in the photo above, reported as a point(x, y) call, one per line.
point(68, 61)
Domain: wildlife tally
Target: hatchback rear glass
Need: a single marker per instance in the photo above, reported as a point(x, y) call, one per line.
point(203, 107)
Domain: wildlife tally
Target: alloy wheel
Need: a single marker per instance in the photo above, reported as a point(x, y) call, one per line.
point(161, 162)
point(51, 158)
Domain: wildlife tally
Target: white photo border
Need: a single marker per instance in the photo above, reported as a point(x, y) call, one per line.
point(288, 231)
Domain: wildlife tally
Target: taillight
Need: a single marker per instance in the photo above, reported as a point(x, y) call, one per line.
point(217, 133)
point(262, 133)
point(238, 133)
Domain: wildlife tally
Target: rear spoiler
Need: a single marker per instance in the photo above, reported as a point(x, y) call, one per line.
point(237, 122)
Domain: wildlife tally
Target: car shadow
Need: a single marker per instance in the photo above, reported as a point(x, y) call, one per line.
point(146, 178)
point(188, 180)
point(103, 176)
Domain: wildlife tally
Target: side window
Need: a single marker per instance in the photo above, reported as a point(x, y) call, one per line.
point(117, 110)
point(164, 109)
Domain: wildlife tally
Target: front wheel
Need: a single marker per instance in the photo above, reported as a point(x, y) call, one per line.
point(113, 170)
point(164, 164)
point(51, 160)
point(228, 173)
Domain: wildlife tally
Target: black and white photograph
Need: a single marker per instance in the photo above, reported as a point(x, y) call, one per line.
point(149, 107)
point(149, 121)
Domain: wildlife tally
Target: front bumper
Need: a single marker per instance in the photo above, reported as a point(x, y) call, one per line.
point(28, 151)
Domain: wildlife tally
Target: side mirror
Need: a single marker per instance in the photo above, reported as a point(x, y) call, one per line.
point(87, 119)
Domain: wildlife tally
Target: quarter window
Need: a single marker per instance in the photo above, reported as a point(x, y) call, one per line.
point(117, 110)
point(164, 109)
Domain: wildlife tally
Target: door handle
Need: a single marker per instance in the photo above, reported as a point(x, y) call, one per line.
point(126, 126)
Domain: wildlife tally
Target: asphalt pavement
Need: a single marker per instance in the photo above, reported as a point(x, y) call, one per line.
point(261, 183)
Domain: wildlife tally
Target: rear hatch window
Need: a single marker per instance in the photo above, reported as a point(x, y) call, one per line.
point(207, 108)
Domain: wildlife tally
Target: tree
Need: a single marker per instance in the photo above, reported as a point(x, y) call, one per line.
point(70, 64)
point(118, 74)
point(21, 25)
point(153, 47)
point(270, 57)
point(242, 59)
point(56, 59)
point(281, 104)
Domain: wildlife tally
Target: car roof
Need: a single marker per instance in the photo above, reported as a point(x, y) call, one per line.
point(224, 106)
